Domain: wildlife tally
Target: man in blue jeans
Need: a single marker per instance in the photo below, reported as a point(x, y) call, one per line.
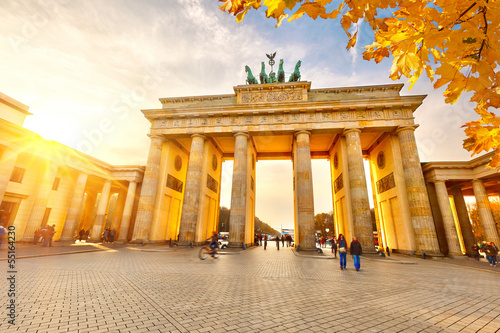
point(356, 251)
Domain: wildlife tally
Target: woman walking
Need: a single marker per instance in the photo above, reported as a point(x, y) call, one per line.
point(342, 244)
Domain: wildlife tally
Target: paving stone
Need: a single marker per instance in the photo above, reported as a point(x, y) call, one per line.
point(129, 290)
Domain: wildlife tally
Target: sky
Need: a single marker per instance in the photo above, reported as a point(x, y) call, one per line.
point(81, 64)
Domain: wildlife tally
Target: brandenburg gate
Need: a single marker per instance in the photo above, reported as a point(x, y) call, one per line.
point(192, 136)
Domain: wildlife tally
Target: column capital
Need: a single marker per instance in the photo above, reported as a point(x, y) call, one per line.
point(156, 136)
point(439, 181)
point(348, 130)
point(405, 128)
point(477, 181)
point(457, 187)
point(197, 135)
point(302, 132)
point(244, 133)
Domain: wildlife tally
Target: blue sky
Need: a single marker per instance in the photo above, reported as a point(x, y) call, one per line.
point(77, 64)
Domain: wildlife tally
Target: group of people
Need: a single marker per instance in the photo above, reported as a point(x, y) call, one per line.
point(108, 235)
point(261, 240)
point(321, 241)
point(83, 235)
point(44, 235)
point(354, 249)
point(489, 249)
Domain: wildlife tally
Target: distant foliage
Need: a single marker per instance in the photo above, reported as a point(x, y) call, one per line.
point(324, 221)
point(458, 41)
point(260, 227)
point(477, 226)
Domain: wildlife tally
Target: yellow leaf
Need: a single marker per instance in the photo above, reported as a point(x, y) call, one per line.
point(352, 41)
point(280, 19)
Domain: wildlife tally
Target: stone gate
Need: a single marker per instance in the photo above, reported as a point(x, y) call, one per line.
point(192, 136)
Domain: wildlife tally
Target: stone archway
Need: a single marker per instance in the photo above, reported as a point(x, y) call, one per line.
point(288, 121)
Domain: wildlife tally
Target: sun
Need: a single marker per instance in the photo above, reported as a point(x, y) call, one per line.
point(55, 128)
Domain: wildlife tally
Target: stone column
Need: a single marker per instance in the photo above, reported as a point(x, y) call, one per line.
point(101, 212)
point(127, 212)
point(449, 223)
point(7, 164)
point(237, 218)
point(363, 228)
point(74, 208)
point(483, 204)
point(463, 218)
point(189, 216)
point(304, 192)
point(418, 200)
point(147, 199)
point(40, 204)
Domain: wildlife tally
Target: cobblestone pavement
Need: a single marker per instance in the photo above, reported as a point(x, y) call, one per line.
point(159, 289)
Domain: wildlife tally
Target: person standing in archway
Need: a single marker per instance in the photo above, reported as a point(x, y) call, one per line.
point(342, 244)
point(334, 246)
point(356, 252)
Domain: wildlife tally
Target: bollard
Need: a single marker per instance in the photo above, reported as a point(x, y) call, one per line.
point(298, 247)
point(142, 243)
point(388, 251)
point(191, 244)
point(243, 245)
point(423, 255)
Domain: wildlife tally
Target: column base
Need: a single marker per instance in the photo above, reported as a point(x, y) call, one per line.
point(406, 252)
point(188, 243)
point(66, 240)
point(432, 254)
point(139, 241)
point(457, 256)
point(238, 244)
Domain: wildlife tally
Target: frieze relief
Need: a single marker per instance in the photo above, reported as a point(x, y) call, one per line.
point(386, 183)
point(271, 96)
point(319, 116)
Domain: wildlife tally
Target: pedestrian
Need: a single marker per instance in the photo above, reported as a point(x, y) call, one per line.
point(322, 242)
point(475, 251)
point(3, 233)
point(265, 241)
point(334, 246)
point(45, 236)
point(342, 244)
point(256, 240)
point(105, 236)
point(277, 242)
point(356, 251)
point(81, 234)
point(51, 232)
point(36, 236)
point(260, 239)
point(112, 235)
point(282, 240)
point(491, 254)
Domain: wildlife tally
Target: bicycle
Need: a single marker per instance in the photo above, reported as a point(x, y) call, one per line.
point(205, 251)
